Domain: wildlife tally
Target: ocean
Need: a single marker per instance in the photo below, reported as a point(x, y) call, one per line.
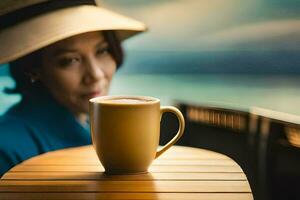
point(238, 91)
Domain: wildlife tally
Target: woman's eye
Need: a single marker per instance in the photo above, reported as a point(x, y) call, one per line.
point(102, 51)
point(65, 62)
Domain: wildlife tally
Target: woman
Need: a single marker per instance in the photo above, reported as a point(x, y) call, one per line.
point(61, 54)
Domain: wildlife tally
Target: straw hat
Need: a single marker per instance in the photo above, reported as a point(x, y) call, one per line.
point(28, 25)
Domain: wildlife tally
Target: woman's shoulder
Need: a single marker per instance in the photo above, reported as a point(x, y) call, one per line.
point(14, 132)
point(9, 123)
point(12, 129)
point(14, 142)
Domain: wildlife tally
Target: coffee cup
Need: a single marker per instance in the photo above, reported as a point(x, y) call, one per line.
point(125, 132)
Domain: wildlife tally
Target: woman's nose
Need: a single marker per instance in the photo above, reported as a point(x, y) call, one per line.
point(94, 71)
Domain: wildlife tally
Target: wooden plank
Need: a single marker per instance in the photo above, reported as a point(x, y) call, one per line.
point(89, 161)
point(163, 157)
point(175, 151)
point(88, 150)
point(125, 186)
point(126, 196)
point(91, 154)
point(102, 176)
point(99, 168)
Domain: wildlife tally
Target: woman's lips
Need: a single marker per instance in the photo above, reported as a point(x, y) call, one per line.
point(91, 94)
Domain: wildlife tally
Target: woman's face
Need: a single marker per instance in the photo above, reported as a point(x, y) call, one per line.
point(77, 69)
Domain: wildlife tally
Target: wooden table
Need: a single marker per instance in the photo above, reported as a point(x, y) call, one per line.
point(76, 173)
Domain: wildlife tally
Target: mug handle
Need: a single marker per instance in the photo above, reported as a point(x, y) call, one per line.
point(179, 115)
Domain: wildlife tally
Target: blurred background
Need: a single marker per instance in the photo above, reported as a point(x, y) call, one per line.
point(232, 53)
point(226, 57)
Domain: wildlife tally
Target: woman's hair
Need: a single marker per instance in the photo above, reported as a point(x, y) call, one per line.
point(20, 69)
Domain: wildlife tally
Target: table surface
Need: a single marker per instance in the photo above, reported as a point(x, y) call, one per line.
point(76, 173)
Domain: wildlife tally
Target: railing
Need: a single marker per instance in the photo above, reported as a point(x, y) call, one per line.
point(216, 117)
point(265, 143)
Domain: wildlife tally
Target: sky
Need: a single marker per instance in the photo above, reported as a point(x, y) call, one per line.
point(214, 25)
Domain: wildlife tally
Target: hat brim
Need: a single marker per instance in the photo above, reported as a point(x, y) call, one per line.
point(36, 33)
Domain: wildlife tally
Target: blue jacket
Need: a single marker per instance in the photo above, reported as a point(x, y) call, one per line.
point(35, 126)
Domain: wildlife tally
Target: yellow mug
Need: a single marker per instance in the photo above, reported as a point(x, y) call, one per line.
point(125, 132)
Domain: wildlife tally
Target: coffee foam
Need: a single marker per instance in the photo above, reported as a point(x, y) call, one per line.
point(125, 100)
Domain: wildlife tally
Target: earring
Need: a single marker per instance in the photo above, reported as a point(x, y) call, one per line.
point(33, 80)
